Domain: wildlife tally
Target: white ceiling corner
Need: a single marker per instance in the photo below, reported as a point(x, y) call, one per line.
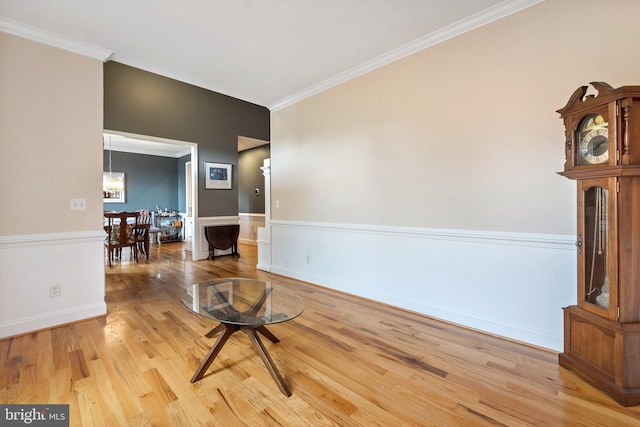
point(269, 52)
point(246, 143)
point(469, 23)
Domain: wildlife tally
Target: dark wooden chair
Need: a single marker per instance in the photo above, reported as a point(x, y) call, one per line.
point(143, 228)
point(121, 233)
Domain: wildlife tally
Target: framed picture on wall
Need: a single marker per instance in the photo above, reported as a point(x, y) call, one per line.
point(217, 176)
point(113, 188)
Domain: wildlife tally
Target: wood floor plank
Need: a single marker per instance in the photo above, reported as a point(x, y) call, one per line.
point(348, 361)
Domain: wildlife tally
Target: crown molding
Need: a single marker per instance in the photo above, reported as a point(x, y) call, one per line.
point(45, 37)
point(472, 22)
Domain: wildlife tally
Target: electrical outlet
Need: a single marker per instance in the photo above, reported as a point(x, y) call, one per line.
point(78, 204)
point(55, 290)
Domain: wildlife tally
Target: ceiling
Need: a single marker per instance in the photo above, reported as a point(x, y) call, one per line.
point(268, 52)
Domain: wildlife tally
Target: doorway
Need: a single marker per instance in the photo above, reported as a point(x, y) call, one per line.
point(144, 144)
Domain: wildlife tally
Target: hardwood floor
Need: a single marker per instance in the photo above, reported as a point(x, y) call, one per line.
point(348, 362)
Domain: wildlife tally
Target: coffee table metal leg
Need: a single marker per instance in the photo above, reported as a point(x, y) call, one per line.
point(222, 339)
point(271, 367)
point(214, 331)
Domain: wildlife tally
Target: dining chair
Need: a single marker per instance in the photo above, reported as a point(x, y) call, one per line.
point(121, 233)
point(142, 231)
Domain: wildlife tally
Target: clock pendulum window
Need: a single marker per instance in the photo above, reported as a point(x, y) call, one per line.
point(598, 289)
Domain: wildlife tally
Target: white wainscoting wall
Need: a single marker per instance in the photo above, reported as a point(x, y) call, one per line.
point(508, 284)
point(29, 264)
point(249, 224)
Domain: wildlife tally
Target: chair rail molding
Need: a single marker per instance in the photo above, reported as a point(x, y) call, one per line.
point(51, 239)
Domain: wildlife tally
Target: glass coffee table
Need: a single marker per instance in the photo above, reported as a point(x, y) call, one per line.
point(242, 305)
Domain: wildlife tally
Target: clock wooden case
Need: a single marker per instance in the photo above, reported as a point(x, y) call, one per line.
point(602, 152)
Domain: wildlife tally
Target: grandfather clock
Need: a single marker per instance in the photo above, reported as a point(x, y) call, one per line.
point(602, 332)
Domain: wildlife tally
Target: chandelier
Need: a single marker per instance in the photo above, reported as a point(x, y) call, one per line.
point(111, 183)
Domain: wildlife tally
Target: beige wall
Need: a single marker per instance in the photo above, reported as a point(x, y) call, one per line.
point(51, 152)
point(50, 138)
point(463, 135)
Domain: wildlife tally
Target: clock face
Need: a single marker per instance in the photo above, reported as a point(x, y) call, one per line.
point(593, 145)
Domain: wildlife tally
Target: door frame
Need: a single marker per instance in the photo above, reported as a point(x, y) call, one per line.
point(195, 238)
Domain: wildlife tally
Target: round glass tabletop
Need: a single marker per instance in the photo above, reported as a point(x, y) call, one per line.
point(244, 302)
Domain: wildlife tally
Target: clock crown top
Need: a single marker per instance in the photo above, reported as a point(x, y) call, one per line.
point(581, 101)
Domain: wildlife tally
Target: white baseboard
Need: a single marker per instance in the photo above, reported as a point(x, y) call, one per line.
point(49, 320)
point(248, 242)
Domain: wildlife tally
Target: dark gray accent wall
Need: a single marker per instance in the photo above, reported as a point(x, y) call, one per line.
point(149, 181)
point(139, 102)
point(250, 178)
